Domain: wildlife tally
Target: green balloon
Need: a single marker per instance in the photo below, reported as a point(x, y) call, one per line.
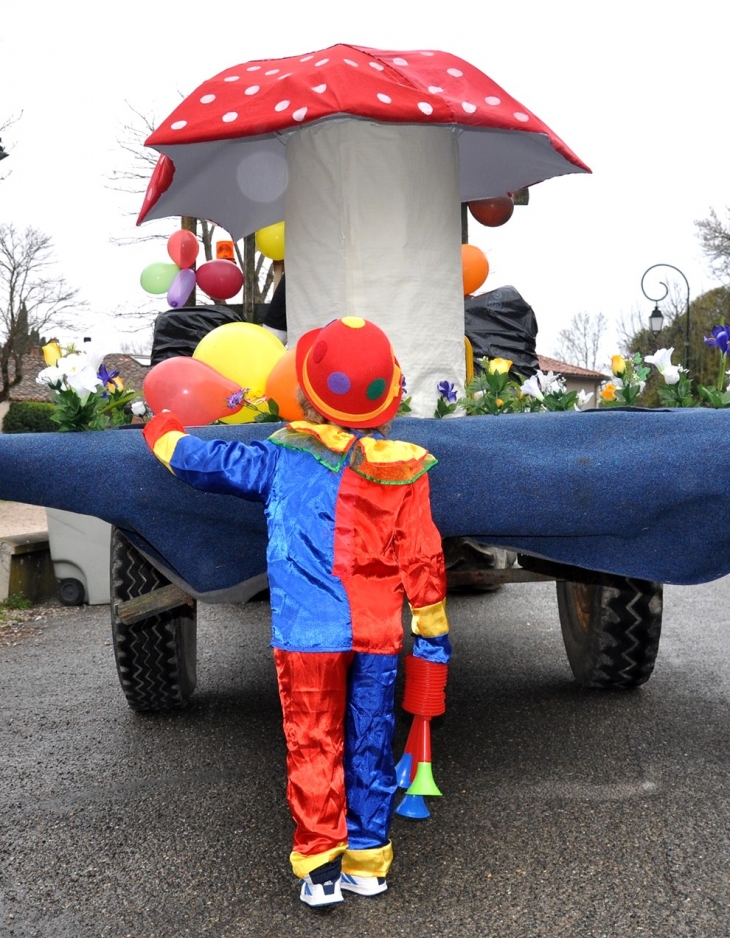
point(158, 277)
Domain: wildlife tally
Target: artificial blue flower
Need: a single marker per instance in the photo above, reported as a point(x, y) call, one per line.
point(447, 391)
point(720, 337)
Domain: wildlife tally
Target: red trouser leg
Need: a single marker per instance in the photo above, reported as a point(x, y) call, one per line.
point(313, 692)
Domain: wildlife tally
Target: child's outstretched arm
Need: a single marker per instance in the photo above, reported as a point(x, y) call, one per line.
point(224, 466)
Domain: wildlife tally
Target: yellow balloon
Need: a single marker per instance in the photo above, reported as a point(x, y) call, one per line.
point(245, 353)
point(270, 241)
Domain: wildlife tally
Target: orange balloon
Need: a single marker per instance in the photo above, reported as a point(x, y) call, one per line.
point(474, 267)
point(281, 386)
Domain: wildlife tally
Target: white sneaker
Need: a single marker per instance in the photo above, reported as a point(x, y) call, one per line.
point(363, 885)
point(317, 894)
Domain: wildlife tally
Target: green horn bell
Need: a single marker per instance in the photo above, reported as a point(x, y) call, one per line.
point(423, 783)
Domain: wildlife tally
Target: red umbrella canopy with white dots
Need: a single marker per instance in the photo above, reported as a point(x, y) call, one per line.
point(223, 148)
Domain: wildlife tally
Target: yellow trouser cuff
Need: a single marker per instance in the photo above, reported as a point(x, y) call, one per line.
point(430, 621)
point(302, 865)
point(373, 862)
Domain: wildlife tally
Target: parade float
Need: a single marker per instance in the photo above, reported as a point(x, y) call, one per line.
point(368, 156)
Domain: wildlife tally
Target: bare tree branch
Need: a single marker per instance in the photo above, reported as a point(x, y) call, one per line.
point(580, 343)
point(715, 240)
point(5, 151)
point(33, 299)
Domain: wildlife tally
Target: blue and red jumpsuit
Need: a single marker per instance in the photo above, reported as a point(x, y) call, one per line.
point(350, 536)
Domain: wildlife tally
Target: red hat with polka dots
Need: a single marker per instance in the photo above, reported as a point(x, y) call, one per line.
point(349, 373)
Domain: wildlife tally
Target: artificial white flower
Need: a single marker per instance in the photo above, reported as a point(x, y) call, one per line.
point(551, 383)
point(583, 399)
point(77, 371)
point(663, 362)
point(532, 388)
point(661, 359)
point(541, 384)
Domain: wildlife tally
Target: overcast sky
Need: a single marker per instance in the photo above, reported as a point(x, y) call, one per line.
point(640, 96)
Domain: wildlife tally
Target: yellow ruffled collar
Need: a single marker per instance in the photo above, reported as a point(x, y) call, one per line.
point(389, 462)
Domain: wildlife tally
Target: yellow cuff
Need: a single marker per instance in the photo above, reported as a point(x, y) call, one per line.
point(165, 446)
point(430, 621)
point(302, 865)
point(373, 862)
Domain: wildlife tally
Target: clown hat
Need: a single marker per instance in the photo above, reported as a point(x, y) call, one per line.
point(349, 373)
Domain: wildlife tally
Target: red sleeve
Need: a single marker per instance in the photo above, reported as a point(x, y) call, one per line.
point(418, 547)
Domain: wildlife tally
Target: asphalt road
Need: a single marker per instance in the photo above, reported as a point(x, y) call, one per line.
point(565, 812)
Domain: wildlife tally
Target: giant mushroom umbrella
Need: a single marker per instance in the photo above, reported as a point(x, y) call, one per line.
point(367, 155)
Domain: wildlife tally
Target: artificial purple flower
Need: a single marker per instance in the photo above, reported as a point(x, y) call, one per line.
point(720, 337)
point(447, 391)
point(237, 398)
point(108, 380)
point(106, 377)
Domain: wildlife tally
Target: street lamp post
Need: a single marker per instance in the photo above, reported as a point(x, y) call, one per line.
point(656, 318)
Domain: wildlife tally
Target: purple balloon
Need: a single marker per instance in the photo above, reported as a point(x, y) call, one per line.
point(181, 288)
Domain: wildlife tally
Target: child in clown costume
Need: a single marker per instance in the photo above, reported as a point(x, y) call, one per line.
point(350, 534)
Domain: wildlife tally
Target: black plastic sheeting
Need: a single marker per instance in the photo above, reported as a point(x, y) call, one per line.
point(501, 324)
point(178, 331)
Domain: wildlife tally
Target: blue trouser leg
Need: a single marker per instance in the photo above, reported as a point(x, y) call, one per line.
point(370, 779)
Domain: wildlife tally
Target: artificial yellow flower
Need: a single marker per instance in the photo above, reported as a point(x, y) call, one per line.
point(51, 353)
point(618, 365)
point(609, 392)
point(499, 366)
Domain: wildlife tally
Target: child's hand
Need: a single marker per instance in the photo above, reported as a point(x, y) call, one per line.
point(159, 425)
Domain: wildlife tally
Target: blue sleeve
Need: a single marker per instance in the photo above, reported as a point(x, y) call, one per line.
point(228, 468)
point(436, 649)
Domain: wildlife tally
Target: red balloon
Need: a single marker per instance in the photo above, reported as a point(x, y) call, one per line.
point(219, 279)
point(183, 247)
point(195, 392)
point(492, 212)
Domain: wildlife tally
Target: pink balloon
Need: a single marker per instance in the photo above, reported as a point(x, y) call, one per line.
point(181, 288)
point(183, 247)
point(195, 392)
point(220, 279)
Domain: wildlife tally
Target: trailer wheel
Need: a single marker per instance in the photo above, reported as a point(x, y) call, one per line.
point(611, 630)
point(71, 592)
point(156, 658)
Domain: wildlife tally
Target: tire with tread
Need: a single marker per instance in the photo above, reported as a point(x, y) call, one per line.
point(611, 630)
point(156, 658)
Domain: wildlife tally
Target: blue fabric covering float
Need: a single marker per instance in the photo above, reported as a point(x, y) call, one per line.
point(629, 492)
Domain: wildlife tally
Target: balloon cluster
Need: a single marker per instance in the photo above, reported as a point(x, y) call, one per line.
point(239, 368)
point(220, 279)
point(235, 371)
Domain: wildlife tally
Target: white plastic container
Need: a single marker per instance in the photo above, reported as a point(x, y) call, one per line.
point(80, 552)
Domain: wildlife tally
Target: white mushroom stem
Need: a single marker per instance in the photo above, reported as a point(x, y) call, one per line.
point(373, 229)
